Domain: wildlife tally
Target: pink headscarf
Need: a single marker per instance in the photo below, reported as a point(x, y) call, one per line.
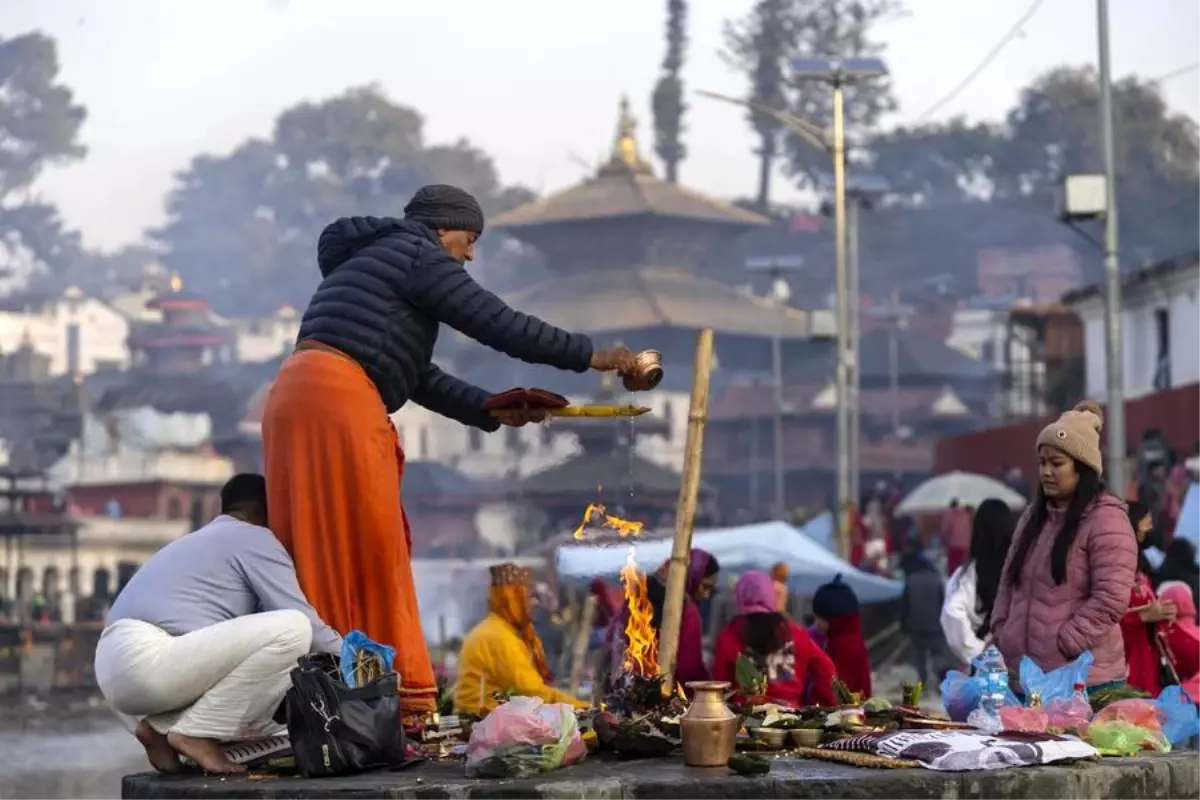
point(1180, 594)
point(755, 593)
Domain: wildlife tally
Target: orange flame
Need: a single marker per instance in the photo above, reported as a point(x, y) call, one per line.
point(641, 648)
point(598, 513)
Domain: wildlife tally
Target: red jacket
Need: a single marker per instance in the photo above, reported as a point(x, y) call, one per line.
point(1141, 656)
point(797, 665)
point(848, 651)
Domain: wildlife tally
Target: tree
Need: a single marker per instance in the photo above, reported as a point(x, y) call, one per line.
point(242, 228)
point(39, 127)
point(777, 31)
point(758, 46)
point(1053, 131)
point(667, 100)
point(937, 163)
point(842, 29)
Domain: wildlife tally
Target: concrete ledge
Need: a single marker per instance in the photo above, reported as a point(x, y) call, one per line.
point(1176, 775)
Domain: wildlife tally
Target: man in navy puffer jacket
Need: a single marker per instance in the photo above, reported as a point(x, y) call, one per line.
point(334, 463)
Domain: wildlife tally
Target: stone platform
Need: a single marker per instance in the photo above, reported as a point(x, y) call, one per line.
point(1176, 775)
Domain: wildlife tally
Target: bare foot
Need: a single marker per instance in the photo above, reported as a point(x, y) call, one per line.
point(207, 753)
point(162, 756)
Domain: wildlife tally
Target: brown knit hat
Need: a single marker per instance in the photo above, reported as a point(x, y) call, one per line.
point(1077, 433)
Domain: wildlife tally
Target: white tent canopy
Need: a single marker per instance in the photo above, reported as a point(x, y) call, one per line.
point(1188, 525)
point(935, 494)
point(738, 549)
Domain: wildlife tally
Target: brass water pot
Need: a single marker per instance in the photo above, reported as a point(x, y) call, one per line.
point(709, 728)
point(647, 372)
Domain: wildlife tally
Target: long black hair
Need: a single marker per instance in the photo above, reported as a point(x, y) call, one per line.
point(765, 633)
point(991, 536)
point(1087, 490)
point(1138, 512)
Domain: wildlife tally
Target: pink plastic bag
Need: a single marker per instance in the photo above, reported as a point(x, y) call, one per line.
point(1026, 720)
point(1070, 715)
point(524, 737)
point(1138, 711)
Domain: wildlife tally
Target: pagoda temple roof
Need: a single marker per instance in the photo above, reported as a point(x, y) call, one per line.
point(625, 186)
point(656, 297)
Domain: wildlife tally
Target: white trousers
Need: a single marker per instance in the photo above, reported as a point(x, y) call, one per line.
point(223, 682)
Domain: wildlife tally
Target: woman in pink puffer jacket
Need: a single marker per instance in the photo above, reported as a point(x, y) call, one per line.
point(1072, 561)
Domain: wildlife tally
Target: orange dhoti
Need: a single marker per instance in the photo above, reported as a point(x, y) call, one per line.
point(333, 468)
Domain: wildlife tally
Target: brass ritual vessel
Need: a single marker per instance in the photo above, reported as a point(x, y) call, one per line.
point(646, 374)
point(709, 728)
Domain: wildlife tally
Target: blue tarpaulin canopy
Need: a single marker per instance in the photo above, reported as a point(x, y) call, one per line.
point(738, 549)
point(1188, 525)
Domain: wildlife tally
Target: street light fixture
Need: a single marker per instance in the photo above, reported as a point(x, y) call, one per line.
point(838, 72)
point(775, 267)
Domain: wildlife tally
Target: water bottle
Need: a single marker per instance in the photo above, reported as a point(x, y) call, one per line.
point(994, 675)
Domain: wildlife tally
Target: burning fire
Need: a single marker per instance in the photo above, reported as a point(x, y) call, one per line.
point(641, 642)
point(598, 513)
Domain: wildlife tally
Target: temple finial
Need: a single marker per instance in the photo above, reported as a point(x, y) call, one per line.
point(176, 283)
point(625, 155)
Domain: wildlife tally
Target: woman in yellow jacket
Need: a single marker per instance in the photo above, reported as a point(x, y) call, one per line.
point(502, 654)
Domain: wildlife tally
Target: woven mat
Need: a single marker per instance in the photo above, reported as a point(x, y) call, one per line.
point(857, 759)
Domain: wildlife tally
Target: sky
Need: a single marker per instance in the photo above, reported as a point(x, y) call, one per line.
point(534, 83)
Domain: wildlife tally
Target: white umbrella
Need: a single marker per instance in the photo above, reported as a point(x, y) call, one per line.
point(935, 494)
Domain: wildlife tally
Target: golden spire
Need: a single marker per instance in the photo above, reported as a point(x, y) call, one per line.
point(625, 156)
point(176, 283)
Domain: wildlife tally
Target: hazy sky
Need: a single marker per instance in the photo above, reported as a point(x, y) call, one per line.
point(535, 83)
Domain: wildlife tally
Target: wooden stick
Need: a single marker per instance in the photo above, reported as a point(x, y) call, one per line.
point(582, 637)
point(685, 512)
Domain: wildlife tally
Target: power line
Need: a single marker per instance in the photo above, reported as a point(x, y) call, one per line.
point(1175, 73)
point(998, 48)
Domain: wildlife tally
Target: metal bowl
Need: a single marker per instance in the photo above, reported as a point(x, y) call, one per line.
point(806, 737)
point(771, 737)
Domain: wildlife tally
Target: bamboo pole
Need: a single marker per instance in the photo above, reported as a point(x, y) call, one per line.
point(583, 635)
point(685, 512)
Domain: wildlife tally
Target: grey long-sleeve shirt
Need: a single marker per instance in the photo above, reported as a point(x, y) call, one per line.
point(227, 569)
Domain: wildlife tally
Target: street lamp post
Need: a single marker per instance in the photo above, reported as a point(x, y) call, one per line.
point(1112, 266)
point(863, 190)
point(1087, 197)
point(838, 73)
point(775, 267)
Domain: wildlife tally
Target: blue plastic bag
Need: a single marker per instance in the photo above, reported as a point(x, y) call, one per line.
point(961, 694)
point(1181, 720)
point(1057, 684)
point(357, 642)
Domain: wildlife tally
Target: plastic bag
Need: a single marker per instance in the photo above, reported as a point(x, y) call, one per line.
point(1057, 684)
point(1136, 711)
point(961, 694)
point(358, 642)
point(522, 738)
point(1070, 715)
point(1180, 720)
point(1118, 737)
point(1026, 720)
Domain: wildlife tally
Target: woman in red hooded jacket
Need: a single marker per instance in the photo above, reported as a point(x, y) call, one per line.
point(835, 607)
point(1180, 635)
point(781, 650)
point(1146, 612)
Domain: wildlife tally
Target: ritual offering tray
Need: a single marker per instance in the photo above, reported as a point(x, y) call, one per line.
point(520, 401)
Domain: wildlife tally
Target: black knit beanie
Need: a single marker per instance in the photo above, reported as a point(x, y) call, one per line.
point(447, 208)
point(834, 599)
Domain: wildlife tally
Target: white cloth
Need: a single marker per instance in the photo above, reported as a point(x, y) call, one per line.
point(959, 618)
point(222, 682)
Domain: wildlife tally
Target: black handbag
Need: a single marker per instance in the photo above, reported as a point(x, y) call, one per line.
point(336, 730)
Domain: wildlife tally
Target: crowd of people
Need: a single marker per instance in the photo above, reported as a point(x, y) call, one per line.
point(199, 644)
